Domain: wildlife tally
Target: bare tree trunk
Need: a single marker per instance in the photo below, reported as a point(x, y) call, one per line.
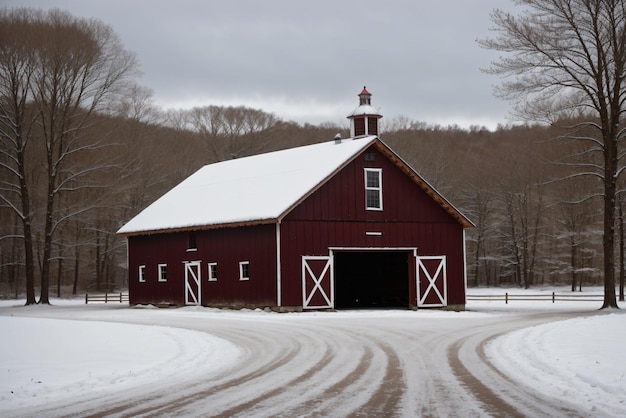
point(76, 267)
point(610, 168)
point(47, 245)
point(59, 270)
point(621, 251)
point(572, 249)
point(29, 259)
point(98, 262)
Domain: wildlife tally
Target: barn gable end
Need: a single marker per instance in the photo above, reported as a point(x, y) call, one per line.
point(334, 218)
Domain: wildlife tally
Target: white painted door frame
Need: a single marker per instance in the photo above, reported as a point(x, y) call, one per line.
point(193, 272)
point(433, 278)
point(325, 277)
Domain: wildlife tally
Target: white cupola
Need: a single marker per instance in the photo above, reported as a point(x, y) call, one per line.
point(364, 119)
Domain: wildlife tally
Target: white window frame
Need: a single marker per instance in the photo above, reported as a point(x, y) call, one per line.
point(162, 272)
point(378, 189)
point(142, 273)
point(241, 268)
point(210, 275)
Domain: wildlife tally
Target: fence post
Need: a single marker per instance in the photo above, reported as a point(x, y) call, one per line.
point(120, 297)
point(553, 297)
point(86, 298)
point(106, 297)
point(506, 298)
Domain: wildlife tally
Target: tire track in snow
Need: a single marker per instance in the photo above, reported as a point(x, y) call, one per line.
point(337, 379)
point(262, 359)
point(335, 382)
point(500, 394)
point(386, 400)
point(428, 389)
point(345, 364)
point(298, 400)
point(265, 400)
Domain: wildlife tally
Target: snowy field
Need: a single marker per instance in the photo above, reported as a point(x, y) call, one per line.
point(73, 358)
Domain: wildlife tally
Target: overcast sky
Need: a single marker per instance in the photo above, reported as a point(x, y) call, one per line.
point(307, 60)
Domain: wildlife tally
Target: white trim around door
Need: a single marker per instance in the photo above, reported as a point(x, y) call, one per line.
point(193, 273)
point(433, 291)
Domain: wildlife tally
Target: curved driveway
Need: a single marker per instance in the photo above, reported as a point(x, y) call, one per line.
point(359, 363)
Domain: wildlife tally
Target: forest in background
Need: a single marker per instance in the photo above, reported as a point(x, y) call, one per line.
point(532, 226)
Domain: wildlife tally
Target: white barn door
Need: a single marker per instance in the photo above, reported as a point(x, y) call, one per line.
point(431, 281)
point(317, 282)
point(192, 283)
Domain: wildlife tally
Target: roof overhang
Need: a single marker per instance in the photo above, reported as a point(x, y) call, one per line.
point(254, 222)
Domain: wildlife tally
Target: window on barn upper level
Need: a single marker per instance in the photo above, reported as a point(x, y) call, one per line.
point(212, 272)
point(142, 274)
point(374, 189)
point(162, 269)
point(191, 245)
point(244, 270)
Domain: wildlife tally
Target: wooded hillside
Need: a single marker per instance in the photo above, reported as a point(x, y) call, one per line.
point(531, 228)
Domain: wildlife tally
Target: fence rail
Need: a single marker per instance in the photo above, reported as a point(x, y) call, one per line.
point(554, 297)
point(106, 297)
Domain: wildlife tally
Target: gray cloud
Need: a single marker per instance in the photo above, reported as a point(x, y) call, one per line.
point(307, 61)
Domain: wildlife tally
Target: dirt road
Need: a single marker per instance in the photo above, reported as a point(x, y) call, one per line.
point(359, 363)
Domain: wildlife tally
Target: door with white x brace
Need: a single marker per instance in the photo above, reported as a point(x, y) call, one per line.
point(192, 283)
point(431, 281)
point(317, 282)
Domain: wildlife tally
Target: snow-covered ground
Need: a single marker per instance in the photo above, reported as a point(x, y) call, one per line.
point(95, 353)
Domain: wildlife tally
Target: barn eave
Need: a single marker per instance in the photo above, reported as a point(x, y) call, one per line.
point(252, 222)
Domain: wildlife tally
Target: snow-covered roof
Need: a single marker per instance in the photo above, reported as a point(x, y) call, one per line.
point(364, 110)
point(252, 189)
point(260, 189)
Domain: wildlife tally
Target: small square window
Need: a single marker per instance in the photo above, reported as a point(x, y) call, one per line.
point(142, 274)
point(162, 268)
point(212, 272)
point(244, 270)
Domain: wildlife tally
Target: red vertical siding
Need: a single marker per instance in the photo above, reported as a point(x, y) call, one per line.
point(226, 247)
point(409, 219)
point(300, 238)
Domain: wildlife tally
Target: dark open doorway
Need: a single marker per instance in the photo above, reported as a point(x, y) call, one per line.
point(371, 279)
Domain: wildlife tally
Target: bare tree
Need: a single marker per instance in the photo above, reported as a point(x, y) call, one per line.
point(568, 58)
point(73, 68)
point(16, 70)
point(231, 132)
point(478, 204)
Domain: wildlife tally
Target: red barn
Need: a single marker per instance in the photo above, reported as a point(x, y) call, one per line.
point(341, 224)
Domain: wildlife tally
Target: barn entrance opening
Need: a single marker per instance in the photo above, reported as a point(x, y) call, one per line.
point(371, 279)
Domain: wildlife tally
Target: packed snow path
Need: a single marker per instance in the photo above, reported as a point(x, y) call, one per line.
point(358, 363)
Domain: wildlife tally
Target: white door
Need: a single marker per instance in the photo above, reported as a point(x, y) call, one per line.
point(192, 283)
point(431, 281)
point(317, 282)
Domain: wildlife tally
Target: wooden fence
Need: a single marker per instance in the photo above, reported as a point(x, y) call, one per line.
point(554, 297)
point(107, 297)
